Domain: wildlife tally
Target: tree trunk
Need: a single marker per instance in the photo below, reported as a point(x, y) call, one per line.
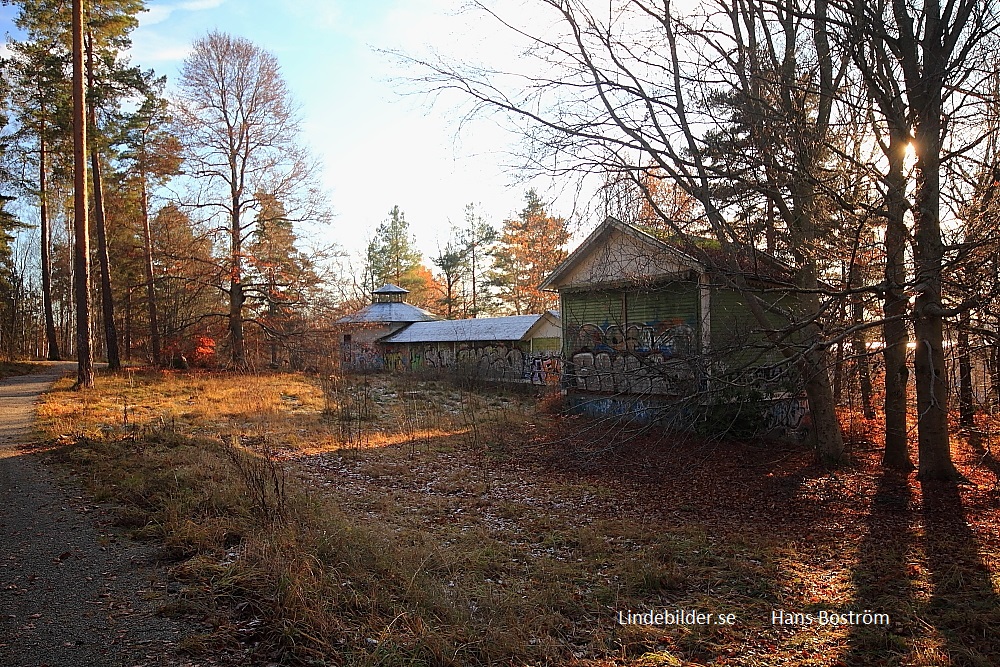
point(966, 401)
point(933, 442)
point(838, 364)
point(147, 243)
point(995, 376)
point(81, 247)
point(236, 299)
point(236, 294)
point(107, 297)
point(51, 339)
point(838, 375)
point(894, 308)
point(860, 349)
point(127, 335)
point(826, 434)
point(864, 375)
point(475, 269)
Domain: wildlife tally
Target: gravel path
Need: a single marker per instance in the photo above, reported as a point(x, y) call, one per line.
point(73, 592)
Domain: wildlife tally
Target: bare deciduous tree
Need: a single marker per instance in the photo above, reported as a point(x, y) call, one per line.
point(637, 89)
point(915, 61)
point(236, 119)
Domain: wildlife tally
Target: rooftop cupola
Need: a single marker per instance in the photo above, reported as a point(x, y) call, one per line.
point(389, 294)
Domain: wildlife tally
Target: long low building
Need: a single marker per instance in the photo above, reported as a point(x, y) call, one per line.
point(517, 348)
point(391, 334)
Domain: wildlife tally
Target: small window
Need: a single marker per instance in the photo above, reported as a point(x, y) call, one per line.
point(347, 339)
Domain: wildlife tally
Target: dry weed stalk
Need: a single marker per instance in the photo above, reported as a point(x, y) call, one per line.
point(350, 403)
point(488, 430)
point(262, 473)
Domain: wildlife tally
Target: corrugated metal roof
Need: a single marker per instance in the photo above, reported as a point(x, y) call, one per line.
point(478, 329)
point(387, 312)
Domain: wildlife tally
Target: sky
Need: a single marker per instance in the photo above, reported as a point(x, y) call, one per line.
point(379, 143)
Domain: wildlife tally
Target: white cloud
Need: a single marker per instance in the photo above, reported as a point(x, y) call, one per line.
point(325, 14)
point(152, 49)
point(161, 12)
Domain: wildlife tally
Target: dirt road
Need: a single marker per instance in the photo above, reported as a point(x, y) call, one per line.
point(72, 591)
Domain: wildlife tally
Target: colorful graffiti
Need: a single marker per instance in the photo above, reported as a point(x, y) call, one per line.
point(635, 359)
point(630, 374)
point(499, 362)
point(360, 357)
point(673, 338)
point(789, 416)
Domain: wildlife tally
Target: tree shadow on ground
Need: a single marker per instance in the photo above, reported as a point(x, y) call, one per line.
point(964, 607)
point(882, 577)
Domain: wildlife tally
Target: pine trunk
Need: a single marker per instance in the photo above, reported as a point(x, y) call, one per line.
point(81, 247)
point(51, 338)
point(147, 242)
point(100, 222)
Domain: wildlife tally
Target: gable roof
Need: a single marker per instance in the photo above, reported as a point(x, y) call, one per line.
point(515, 327)
point(592, 262)
point(641, 256)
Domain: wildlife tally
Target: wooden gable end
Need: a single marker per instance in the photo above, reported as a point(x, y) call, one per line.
point(616, 254)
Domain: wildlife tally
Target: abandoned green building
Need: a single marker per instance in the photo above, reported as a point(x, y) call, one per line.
point(648, 319)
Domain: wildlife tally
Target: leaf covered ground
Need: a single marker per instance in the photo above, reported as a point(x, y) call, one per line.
point(10, 368)
point(384, 520)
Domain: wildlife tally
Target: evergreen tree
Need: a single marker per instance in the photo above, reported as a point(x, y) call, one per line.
point(106, 26)
point(531, 246)
point(452, 263)
point(40, 103)
point(477, 239)
point(392, 257)
point(280, 276)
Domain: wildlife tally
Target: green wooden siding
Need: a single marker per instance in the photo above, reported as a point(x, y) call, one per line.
point(641, 320)
point(674, 303)
point(603, 308)
point(586, 315)
point(736, 332)
point(666, 318)
point(545, 344)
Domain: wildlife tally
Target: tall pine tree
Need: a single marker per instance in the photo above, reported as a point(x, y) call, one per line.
point(531, 246)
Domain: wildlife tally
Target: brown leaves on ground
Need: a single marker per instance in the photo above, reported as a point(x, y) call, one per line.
point(455, 527)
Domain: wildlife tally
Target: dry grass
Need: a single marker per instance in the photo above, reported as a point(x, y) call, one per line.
point(372, 520)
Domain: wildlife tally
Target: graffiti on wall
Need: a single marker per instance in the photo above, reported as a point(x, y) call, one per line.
point(361, 357)
point(790, 416)
point(669, 338)
point(507, 363)
point(500, 362)
point(636, 359)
